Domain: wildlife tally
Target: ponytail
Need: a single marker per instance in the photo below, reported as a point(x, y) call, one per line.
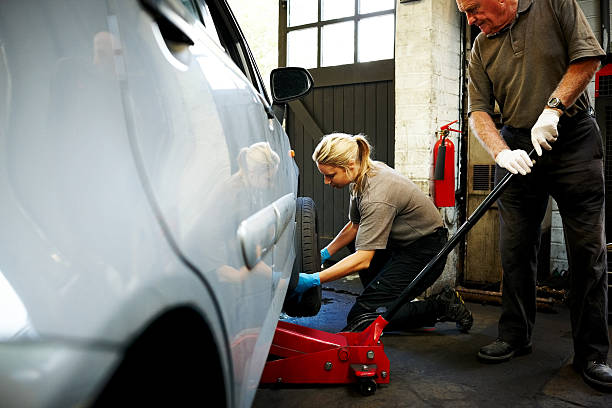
point(365, 163)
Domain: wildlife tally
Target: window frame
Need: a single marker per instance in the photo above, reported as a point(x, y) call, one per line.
point(284, 22)
point(233, 41)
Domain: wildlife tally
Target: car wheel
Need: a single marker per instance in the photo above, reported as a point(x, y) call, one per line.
point(173, 363)
point(307, 260)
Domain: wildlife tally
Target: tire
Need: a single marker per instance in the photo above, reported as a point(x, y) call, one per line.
point(307, 260)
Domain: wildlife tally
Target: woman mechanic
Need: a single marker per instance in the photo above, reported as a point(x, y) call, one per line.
point(396, 229)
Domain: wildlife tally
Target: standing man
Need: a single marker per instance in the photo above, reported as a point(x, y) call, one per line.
point(535, 59)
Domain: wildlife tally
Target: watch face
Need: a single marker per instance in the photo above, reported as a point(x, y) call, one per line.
point(556, 104)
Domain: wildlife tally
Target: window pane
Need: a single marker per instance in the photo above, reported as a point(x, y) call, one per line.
point(209, 24)
point(338, 44)
point(370, 6)
point(331, 9)
point(303, 12)
point(376, 38)
point(191, 8)
point(302, 48)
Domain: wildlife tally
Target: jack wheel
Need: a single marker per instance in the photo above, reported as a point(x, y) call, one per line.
point(367, 387)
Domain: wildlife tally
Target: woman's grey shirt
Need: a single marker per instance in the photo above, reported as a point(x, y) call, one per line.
point(391, 211)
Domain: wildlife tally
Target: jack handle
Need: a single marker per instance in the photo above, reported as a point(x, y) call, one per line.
point(407, 295)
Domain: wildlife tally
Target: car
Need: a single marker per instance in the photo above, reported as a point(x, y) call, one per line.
point(148, 203)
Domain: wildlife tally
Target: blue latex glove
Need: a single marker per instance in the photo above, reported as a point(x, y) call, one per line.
point(307, 281)
point(325, 255)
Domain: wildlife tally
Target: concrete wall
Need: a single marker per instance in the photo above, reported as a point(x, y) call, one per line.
point(426, 82)
point(591, 11)
point(558, 254)
point(427, 71)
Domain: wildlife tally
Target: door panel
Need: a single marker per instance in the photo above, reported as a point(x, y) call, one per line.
point(206, 148)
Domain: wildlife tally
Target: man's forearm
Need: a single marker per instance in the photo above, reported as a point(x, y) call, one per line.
point(575, 80)
point(483, 126)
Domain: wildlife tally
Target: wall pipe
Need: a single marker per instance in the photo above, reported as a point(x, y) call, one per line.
point(604, 8)
point(461, 196)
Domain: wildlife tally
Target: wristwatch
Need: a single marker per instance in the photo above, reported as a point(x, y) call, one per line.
point(555, 103)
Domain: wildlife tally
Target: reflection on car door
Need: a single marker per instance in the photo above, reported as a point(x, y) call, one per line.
point(203, 140)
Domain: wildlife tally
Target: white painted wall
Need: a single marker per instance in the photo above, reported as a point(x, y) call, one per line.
point(558, 254)
point(427, 71)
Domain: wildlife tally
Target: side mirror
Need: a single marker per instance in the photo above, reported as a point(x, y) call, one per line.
point(290, 83)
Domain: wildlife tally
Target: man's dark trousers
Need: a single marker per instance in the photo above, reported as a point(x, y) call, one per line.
point(572, 173)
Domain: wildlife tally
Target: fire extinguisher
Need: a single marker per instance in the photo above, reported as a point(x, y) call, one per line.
point(444, 170)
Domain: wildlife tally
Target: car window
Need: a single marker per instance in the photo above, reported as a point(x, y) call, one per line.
point(209, 23)
point(191, 7)
point(200, 12)
point(217, 15)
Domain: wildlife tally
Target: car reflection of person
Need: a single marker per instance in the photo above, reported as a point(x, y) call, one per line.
point(540, 89)
point(248, 188)
point(397, 230)
point(258, 165)
point(244, 192)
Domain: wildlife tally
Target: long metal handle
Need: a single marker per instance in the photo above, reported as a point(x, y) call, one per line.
point(406, 296)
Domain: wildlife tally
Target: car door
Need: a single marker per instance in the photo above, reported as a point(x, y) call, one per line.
point(210, 156)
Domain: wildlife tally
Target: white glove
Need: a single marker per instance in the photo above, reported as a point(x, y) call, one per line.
point(545, 130)
point(515, 161)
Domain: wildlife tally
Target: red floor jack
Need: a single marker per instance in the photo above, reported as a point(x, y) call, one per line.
point(310, 356)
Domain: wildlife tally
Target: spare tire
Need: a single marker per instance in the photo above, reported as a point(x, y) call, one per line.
point(307, 260)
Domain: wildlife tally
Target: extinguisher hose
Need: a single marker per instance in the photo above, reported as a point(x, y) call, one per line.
point(440, 160)
point(406, 295)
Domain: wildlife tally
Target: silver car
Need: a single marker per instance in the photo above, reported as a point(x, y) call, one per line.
point(147, 203)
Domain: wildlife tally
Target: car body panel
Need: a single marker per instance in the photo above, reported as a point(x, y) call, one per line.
point(53, 373)
point(121, 189)
point(201, 178)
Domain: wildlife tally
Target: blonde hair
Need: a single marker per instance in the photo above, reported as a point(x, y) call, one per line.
point(340, 149)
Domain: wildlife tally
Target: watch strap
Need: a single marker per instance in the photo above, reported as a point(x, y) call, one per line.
point(555, 103)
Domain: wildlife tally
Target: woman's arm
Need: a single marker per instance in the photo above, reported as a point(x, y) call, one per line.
point(344, 237)
point(352, 263)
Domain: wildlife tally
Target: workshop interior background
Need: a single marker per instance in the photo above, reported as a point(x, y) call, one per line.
point(398, 88)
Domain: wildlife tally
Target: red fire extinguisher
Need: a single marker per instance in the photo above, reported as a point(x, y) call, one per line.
point(444, 173)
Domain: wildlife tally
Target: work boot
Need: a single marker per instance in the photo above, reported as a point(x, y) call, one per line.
point(598, 375)
point(454, 309)
point(500, 351)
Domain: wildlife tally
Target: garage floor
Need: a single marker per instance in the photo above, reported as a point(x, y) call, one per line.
point(438, 367)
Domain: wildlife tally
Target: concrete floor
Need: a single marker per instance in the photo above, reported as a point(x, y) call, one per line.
point(438, 367)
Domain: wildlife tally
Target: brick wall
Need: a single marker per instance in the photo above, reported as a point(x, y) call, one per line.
point(558, 254)
point(427, 82)
point(427, 71)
